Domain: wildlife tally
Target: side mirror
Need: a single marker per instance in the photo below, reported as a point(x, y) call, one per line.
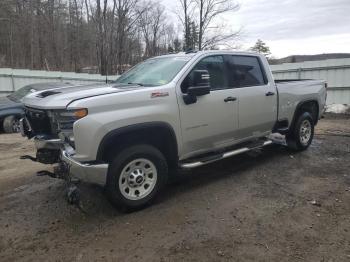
point(201, 78)
point(200, 86)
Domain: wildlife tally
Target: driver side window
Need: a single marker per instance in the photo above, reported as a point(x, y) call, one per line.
point(216, 68)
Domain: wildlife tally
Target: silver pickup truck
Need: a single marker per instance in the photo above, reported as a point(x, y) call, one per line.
point(174, 111)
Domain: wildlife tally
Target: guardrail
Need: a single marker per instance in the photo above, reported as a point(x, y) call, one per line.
point(13, 79)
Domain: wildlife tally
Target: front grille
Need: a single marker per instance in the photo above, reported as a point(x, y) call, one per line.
point(39, 120)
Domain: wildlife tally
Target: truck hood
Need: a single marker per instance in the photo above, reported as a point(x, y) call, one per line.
point(60, 98)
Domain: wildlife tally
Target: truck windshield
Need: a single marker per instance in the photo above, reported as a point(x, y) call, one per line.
point(154, 72)
point(20, 93)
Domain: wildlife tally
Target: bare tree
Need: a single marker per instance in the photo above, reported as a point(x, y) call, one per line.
point(187, 11)
point(208, 11)
point(221, 37)
point(76, 35)
point(128, 12)
point(151, 26)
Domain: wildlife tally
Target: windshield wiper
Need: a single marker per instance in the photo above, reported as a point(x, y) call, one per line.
point(139, 84)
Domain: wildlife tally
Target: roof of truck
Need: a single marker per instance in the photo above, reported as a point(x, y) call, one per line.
point(196, 53)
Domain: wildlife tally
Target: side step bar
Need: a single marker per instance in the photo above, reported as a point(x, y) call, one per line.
point(224, 155)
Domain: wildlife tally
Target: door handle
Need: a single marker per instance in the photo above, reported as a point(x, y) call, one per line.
point(230, 98)
point(270, 93)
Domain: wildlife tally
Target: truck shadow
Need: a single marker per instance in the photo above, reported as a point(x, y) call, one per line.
point(95, 201)
point(229, 168)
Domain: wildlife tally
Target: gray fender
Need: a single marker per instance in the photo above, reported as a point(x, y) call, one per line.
point(11, 111)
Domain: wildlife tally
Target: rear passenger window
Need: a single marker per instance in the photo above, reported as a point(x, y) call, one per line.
point(216, 68)
point(245, 71)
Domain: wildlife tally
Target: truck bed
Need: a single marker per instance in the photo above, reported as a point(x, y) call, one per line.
point(292, 92)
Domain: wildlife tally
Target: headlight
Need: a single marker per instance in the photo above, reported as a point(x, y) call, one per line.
point(75, 113)
point(66, 118)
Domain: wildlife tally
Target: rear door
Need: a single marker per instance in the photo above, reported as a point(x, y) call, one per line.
point(257, 98)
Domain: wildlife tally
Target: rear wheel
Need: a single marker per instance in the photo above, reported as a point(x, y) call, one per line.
point(11, 124)
point(302, 133)
point(135, 176)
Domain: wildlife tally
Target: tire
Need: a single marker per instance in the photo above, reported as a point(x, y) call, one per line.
point(302, 133)
point(135, 177)
point(11, 124)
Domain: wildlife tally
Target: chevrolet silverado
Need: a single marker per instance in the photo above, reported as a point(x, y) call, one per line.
point(174, 111)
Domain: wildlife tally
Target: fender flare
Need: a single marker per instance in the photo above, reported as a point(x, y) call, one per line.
point(299, 105)
point(113, 134)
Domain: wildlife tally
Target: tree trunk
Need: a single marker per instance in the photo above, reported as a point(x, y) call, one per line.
point(200, 35)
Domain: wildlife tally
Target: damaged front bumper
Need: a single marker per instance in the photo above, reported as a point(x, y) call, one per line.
point(87, 172)
point(54, 150)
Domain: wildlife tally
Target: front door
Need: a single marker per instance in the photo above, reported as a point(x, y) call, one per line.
point(212, 121)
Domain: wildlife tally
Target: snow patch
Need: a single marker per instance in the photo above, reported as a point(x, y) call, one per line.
point(338, 109)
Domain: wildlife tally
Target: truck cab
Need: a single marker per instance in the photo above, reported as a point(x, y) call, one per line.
point(241, 103)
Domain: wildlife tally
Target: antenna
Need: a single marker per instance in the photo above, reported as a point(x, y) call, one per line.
point(106, 69)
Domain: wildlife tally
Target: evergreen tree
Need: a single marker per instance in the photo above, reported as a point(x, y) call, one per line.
point(170, 49)
point(193, 35)
point(261, 48)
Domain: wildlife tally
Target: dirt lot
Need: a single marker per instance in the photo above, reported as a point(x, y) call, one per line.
point(254, 207)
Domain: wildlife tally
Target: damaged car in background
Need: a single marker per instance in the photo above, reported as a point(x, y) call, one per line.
point(171, 112)
point(12, 109)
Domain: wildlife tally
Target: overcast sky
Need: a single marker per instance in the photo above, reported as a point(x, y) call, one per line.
point(291, 26)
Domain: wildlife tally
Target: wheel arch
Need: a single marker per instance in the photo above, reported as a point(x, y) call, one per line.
point(311, 106)
point(158, 134)
point(11, 112)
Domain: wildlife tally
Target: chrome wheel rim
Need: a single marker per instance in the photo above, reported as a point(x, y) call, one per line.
point(305, 132)
point(138, 178)
point(15, 126)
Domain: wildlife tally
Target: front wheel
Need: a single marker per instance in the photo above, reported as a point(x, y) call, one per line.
point(302, 133)
point(11, 124)
point(135, 176)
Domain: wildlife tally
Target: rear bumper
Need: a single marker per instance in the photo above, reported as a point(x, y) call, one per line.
point(91, 173)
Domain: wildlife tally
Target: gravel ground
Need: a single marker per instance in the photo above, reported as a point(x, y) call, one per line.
point(268, 205)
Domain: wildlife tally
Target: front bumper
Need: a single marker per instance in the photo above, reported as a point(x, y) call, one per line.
point(91, 173)
point(87, 171)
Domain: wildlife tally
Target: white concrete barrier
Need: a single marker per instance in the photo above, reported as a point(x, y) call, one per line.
point(13, 79)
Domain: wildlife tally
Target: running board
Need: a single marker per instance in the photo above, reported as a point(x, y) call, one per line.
point(222, 156)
